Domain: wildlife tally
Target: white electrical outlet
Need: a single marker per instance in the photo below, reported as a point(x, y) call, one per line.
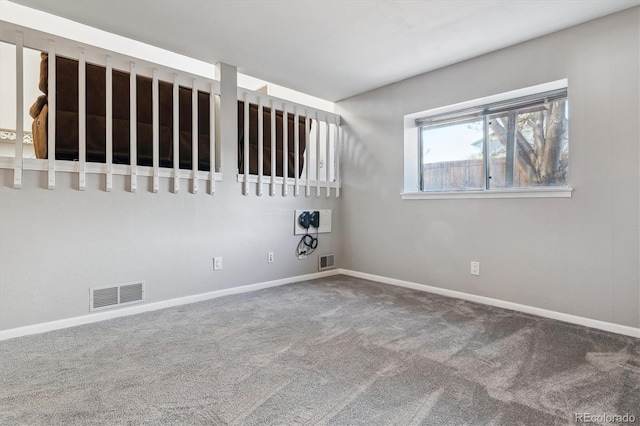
point(475, 268)
point(270, 257)
point(217, 263)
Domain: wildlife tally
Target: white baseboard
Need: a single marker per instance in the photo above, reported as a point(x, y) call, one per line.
point(573, 319)
point(137, 309)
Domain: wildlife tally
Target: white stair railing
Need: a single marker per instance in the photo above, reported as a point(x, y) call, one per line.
point(321, 155)
point(320, 158)
point(23, 37)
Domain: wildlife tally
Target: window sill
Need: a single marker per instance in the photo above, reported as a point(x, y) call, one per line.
point(495, 193)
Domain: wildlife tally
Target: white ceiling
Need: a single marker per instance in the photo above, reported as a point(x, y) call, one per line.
point(331, 49)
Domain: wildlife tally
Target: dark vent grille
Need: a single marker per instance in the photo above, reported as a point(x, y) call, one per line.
point(326, 261)
point(131, 293)
point(105, 297)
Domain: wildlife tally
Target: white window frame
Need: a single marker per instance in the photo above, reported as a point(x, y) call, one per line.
point(412, 162)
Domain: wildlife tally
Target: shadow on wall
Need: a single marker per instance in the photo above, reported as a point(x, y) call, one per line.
point(363, 170)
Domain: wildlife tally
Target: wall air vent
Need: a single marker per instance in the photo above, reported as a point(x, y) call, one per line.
point(109, 297)
point(326, 261)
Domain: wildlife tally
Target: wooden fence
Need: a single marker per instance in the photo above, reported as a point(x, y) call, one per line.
point(469, 174)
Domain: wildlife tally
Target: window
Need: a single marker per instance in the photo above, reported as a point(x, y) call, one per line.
point(503, 144)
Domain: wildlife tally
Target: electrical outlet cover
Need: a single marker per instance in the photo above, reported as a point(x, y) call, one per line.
point(475, 268)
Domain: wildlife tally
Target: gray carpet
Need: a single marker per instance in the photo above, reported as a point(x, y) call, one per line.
point(337, 351)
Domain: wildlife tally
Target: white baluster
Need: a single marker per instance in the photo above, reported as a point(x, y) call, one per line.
point(133, 127)
point(17, 171)
point(194, 134)
point(109, 123)
point(246, 143)
point(212, 140)
point(155, 101)
point(51, 132)
point(176, 134)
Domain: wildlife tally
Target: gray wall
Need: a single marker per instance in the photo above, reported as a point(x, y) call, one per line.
point(55, 245)
point(578, 256)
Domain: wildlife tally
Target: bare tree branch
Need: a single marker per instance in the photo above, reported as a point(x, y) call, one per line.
point(538, 136)
point(550, 168)
point(526, 155)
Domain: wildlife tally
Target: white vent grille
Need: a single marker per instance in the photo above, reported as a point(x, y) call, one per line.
point(326, 261)
point(109, 297)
